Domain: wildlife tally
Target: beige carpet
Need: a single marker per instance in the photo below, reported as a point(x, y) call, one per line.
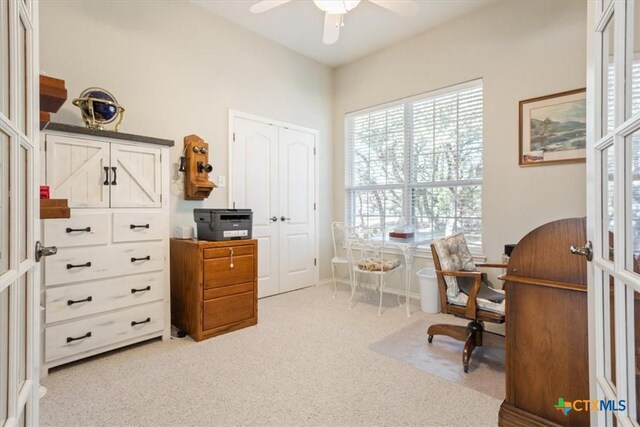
point(306, 363)
point(443, 357)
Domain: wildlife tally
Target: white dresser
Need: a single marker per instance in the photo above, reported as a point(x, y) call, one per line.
point(108, 286)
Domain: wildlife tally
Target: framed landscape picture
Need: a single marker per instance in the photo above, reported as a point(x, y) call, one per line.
point(553, 129)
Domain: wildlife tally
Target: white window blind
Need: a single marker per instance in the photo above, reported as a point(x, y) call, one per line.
point(419, 159)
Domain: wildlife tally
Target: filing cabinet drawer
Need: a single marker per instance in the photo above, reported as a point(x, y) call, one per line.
point(228, 271)
point(228, 310)
point(68, 302)
point(226, 252)
point(88, 334)
point(79, 230)
point(137, 227)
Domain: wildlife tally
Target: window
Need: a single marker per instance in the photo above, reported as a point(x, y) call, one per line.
point(419, 159)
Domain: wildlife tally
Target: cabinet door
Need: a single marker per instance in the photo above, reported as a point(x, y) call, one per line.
point(77, 170)
point(136, 176)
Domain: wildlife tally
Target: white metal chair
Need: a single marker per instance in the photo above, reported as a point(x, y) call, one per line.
point(371, 260)
point(339, 232)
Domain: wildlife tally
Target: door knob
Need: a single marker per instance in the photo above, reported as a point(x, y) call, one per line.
point(585, 251)
point(274, 218)
point(282, 218)
point(44, 251)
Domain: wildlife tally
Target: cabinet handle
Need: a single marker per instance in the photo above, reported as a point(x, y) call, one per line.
point(230, 258)
point(148, 288)
point(70, 266)
point(87, 335)
point(87, 299)
point(147, 320)
point(71, 230)
point(115, 175)
point(144, 258)
point(132, 226)
point(106, 176)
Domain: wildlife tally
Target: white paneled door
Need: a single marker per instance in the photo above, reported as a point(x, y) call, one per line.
point(272, 172)
point(613, 218)
point(296, 182)
point(19, 148)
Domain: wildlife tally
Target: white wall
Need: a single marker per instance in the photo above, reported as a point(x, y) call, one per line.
point(177, 69)
point(521, 50)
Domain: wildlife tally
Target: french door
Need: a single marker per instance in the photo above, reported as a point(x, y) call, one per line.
point(613, 200)
point(19, 141)
point(272, 171)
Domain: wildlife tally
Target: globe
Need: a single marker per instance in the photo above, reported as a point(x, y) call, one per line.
point(98, 108)
point(102, 110)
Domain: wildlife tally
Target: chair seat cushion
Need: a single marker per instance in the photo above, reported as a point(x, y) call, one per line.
point(461, 300)
point(369, 264)
point(485, 292)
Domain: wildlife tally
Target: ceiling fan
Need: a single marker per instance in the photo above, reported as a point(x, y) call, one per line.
point(336, 9)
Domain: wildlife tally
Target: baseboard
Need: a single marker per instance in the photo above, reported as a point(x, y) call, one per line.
point(394, 291)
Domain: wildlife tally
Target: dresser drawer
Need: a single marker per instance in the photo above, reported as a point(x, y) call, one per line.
point(136, 227)
point(79, 230)
point(226, 252)
point(78, 264)
point(88, 334)
point(68, 302)
point(228, 271)
point(227, 310)
point(135, 258)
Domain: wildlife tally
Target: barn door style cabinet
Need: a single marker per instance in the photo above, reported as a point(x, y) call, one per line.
point(108, 286)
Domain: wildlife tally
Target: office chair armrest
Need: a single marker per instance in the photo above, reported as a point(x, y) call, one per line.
point(472, 303)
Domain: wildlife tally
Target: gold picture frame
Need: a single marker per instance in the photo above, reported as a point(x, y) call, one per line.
point(552, 129)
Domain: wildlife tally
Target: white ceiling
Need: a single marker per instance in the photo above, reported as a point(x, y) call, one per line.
point(298, 25)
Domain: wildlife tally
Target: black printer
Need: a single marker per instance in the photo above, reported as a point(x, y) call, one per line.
point(223, 224)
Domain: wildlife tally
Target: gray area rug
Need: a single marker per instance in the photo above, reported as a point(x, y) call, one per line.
point(443, 357)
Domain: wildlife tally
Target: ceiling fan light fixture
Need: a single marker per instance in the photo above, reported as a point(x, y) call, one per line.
point(336, 7)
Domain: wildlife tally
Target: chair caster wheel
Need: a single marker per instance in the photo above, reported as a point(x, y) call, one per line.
point(430, 339)
point(466, 369)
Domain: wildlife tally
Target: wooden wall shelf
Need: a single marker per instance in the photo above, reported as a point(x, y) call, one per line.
point(54, 209)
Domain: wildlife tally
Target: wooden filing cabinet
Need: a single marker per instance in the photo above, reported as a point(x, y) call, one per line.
point(214, 286)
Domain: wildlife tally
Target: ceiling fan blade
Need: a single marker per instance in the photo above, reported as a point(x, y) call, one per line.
point(401, 7)
point(265, 5)
point(332, 23)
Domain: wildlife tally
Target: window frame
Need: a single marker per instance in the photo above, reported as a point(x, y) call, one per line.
point(408, 186)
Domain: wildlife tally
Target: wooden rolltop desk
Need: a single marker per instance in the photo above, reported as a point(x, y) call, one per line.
point(547, 355)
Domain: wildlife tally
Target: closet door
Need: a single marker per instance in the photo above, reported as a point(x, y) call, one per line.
point(135, 176)
point(254, 184)
point(78, 170)
point(296, 208)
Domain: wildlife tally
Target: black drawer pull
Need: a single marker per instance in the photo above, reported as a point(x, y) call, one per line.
point(147, 320)
point(115, 176)
point(87, 299)
point(144, 258)
point(132, 226)
point(70, 266)
point(87, 335)
point(106, 176)
point(148, 288)
point(71, 230)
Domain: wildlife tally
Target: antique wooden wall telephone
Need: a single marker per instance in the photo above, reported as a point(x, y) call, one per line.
point(196, 167)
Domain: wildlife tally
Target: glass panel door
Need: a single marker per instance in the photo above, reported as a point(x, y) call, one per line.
point(19, 296)
point(613, 218)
